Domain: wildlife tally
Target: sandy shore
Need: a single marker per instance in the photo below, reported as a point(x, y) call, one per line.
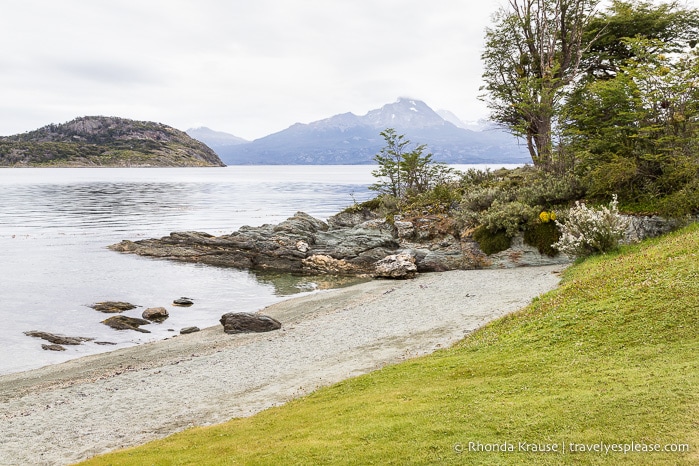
point(68, 412)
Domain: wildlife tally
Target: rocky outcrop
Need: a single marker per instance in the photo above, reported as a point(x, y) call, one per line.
point(300, 244)
point(354, 243)
point(245, 322)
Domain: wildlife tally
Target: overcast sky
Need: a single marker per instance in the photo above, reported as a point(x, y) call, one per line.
point(247, 67)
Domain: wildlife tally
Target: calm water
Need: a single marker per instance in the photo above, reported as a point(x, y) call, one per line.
point(55, 225)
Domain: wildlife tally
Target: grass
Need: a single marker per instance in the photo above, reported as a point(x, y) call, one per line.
point(609, 357)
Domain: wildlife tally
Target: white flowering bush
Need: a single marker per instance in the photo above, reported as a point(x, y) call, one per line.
point(589, 231)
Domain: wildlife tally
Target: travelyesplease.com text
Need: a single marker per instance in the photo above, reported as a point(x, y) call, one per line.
point(570, 447)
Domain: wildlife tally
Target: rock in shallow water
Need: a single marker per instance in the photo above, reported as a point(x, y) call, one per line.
point(155, 314)
point(57, 339)
point(245, 322)
point(183, 302)
point(112, 307)
point(187, 330)
point(126, 323)
point(53, 347)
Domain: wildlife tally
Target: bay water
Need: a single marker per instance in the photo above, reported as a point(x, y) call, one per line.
point(55, 225)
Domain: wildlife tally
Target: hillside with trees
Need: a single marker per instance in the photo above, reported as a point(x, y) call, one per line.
point(106, 142)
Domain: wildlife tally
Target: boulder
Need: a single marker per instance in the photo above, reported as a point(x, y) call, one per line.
point(57, 339)
point(245, 322)
point(396, 266)
point(126, 323)
point(112, 307)
point(187, 330)
point(155, 314)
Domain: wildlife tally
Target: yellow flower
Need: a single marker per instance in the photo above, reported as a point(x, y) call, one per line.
point(544, 217)
point(552, 216)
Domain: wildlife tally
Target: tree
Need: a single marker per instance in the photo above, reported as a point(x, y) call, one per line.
point(674, 26)
point(637, 133)
point(531, 54)
point(404, 173)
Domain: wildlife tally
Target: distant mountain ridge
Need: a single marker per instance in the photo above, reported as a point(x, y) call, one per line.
point(106, 141)
point(351, 139)
point(215, 139)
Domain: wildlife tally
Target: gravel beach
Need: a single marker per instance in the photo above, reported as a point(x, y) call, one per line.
point(69, 412)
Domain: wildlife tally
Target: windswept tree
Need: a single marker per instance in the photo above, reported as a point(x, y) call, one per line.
point(403, 173)
point(532, 53)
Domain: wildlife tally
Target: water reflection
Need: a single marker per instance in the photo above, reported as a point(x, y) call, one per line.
point(286, 284)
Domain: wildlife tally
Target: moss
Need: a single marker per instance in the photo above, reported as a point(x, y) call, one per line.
point(542, 235)
point(491, 242)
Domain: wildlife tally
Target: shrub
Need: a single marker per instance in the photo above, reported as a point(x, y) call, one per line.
point(511, 217)
point(588, 231)
point(542, 235)
point(491, 242)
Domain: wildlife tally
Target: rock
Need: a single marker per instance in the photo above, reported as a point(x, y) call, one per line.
point(105, 343)
point(57, 339)
point(126, 323)
point(405, 230)
point(112, 307)
point(396, 266)
point(183, 302)
point(323, 264)
point(52, 348)
point(187, 330)
point(245, 322)
point(282, 247)
point(155, 314)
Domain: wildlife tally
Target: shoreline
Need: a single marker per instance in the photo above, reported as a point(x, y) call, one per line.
point(71, 411)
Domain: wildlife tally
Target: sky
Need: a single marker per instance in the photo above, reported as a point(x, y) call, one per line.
point(250, 68)
point(246, 67)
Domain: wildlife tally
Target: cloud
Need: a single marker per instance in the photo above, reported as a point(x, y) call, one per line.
point(250, 68)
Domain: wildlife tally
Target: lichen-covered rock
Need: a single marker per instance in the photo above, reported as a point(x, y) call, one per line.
point(396, 266)
point(155, 314)
point(245, 322)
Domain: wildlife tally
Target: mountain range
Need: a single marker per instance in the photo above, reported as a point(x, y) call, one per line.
point(349, 139)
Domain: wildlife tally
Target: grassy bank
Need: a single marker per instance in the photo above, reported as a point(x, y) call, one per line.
point(610, 357)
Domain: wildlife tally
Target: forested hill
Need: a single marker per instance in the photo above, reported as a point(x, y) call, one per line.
point(108, 142)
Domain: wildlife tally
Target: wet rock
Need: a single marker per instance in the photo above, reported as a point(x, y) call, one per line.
point(187, 330)
point(105, 343)
point(126, 323)
point(52, 347)
point(112, 307)
point(396, 266)
point(245, 322)
point(155, 314)
point(183, 302)
point(57, 339)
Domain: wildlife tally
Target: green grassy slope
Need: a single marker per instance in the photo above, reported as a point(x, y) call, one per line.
point(610, 357)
